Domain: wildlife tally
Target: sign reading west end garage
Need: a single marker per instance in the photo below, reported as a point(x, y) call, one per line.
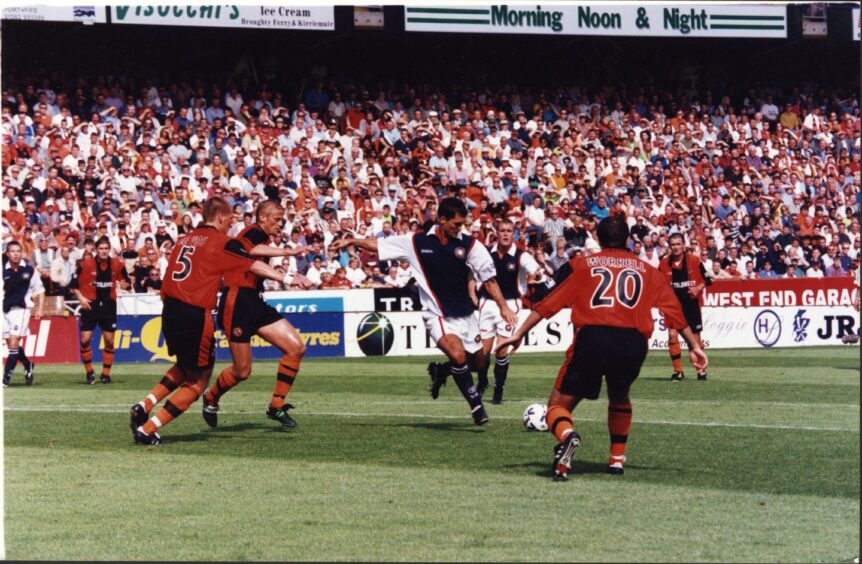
point(245, 16)
point(650, 20)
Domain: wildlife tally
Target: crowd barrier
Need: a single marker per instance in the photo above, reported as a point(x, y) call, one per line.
point(388, 321)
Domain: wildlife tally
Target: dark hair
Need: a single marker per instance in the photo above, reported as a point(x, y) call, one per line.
point(103, 239)
point(450, 208)
point(675, 236)
point(613, 232)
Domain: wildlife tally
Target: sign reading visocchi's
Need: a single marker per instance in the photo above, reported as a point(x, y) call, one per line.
point(246, 16)
point(648, 20)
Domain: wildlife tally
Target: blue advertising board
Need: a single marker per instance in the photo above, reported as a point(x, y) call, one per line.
point(139, 338)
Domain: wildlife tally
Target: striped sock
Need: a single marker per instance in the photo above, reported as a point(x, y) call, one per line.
point(171, 380)
point(87, 357)
point(11, 361)
point(501, 371)
point(619, 424)
point(462, 377)
point(560, 422)
point(288, 367)
point(226, 380)
point(107, 362)
point(180, 401)
point(675, 351)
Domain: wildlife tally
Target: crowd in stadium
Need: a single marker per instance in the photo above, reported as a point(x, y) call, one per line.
point(763, 186)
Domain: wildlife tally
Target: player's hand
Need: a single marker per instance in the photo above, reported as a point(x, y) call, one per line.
point(85, 304)
point(123, 285)
point(695, 290)
point(288, 252)
point(301, 281)
point(509, 316)
point(698, 359)
point(512, 341)
point(338, 244)
point(38, 314)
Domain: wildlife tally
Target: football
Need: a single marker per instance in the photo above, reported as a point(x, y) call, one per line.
point(535, 417)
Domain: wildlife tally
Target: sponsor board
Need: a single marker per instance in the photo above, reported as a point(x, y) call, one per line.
point(630, 19)
point(51, 340)
point(396, 299)
point(81, 14)
point(140, 339)
point(403, 333)
point(286, 302)
point(780, 293)
point(217, 15)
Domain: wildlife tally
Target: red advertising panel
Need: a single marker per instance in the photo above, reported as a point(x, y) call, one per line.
point(782, 292)
point(52, 339)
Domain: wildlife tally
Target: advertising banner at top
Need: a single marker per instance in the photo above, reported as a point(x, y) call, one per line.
point(857, 25)
point(631, 19)
point(244, 16)
point(81, 14)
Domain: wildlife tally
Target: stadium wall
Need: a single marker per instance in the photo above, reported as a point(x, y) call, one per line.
point(388, 322)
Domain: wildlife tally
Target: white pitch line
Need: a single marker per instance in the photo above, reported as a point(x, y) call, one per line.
point(87, 409)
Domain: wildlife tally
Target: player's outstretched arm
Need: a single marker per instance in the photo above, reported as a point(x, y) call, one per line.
point(515, 340)
point(267, 251)
point(265, 271)
point(369, 244)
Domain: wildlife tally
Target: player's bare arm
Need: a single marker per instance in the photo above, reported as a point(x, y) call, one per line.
point(369, 244)
point(268, 251)
point(515, 340)
point(265, 271)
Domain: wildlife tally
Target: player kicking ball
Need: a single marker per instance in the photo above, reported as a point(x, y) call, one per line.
point(611, 295)
point(445, 260)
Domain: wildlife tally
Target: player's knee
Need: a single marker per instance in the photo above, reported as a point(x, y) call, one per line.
point(242, 373)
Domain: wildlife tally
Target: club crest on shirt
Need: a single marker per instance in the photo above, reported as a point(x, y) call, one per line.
point(477, 339)
point(511, 267)
point(25, 276)
point(460, 252)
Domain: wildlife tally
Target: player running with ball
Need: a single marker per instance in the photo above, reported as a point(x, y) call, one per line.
point(445, 260)
point(611, 294)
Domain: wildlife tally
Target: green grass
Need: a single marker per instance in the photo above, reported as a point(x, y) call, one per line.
point(760, 463)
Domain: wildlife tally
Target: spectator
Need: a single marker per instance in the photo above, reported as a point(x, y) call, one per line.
point(62, 268)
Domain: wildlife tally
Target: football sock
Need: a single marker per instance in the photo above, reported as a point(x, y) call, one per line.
point(180, 401)
point(482, 378)
point(462, 377)
point(619, 424)
point(11, 361)
point(172, 378)
point(501, 370)
point(107, 361)
point(560, 422)
point(288, 366)
point(226, 380)
point(87, 357)
point(675, 351)
point(22, 357)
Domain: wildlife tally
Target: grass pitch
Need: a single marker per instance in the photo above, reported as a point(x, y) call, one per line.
point(760, 463)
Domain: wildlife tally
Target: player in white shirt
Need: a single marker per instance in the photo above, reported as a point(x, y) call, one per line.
point(444, 261)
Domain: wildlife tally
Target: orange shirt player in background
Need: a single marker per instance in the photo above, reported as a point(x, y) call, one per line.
point(610, 294)
point(191, 282)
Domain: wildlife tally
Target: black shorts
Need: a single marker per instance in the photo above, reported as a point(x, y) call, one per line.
point(102, 313)
point(691, 311)
point(242, 311)
point(188, 332)
point(599, 350)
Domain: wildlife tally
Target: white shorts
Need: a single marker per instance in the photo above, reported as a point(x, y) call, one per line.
point(16, 323)
point(491, 323)
point(466, 328)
